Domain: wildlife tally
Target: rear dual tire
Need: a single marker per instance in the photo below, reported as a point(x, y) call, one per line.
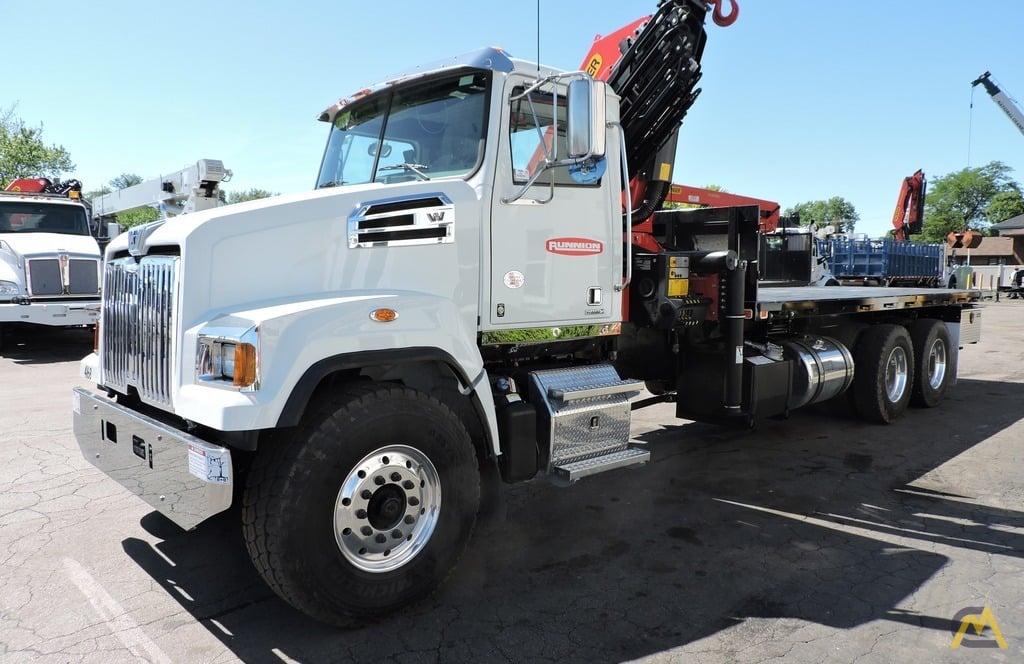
point(933, 359)
point(884, 361)
point(897, 367)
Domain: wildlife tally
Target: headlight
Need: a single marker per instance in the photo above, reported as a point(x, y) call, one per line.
point(228, 359)
point(9, 289)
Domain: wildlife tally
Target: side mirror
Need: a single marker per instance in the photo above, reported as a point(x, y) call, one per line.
point(585, 103)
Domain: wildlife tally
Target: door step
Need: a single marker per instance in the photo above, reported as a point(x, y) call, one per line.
point(629, 387)
point(583, 417)
point(576, 470)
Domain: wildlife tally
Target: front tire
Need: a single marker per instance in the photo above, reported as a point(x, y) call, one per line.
point(932, 359)
point(884, 363)
point(366, 507)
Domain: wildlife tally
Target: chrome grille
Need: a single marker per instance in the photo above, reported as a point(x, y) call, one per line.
point(138, 326)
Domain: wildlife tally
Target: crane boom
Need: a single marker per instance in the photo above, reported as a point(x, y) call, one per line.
point(909, 214)
point(681, 193)
point(653, 64)
point(191, 189)
point(1001, 99)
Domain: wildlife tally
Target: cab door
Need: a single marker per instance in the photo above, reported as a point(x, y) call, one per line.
point(555, 257)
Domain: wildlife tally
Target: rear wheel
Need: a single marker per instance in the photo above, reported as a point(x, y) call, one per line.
point(367, 507)
point(884, 363)
point(932, 359)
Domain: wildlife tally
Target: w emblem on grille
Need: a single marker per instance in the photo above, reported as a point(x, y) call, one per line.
point(436, 216)
point(134, 240)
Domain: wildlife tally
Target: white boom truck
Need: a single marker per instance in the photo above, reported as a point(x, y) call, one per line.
point(49, 258)
point(460, 302)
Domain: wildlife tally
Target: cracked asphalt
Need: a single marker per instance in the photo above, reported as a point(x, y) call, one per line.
point(805, 540)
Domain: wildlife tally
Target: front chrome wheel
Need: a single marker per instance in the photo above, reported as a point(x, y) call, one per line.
point(387, 508)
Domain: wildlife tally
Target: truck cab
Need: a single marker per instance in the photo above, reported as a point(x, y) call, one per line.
point(467, 220)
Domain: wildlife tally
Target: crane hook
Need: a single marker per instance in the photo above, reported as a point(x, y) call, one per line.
point(721, 18)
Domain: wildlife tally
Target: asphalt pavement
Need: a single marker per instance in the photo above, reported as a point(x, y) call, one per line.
point(810, 539)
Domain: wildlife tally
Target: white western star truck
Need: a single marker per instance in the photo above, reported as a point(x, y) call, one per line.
point(49, 258)
point(463, 301)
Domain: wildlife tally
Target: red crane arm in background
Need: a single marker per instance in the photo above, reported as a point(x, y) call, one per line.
point(909, 214)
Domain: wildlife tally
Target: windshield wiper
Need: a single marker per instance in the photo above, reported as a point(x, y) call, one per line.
point(414, 168)
point(332, 183)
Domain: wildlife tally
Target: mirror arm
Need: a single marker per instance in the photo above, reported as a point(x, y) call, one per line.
point(529, 183)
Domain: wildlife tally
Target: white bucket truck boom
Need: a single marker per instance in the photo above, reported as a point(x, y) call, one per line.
point(192, 189)
point(463, 301)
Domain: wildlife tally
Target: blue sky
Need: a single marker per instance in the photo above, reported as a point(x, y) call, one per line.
point(802, 100)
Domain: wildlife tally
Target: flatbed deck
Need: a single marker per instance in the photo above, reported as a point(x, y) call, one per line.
point(826, 300)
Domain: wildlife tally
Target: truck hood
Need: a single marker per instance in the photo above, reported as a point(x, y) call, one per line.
point(36, 244)
point(298, 246)
point(173, 231)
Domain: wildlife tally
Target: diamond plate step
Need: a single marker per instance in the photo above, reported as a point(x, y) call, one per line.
point(576, 470)
point(625, 387)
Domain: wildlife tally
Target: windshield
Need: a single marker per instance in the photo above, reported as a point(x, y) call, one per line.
point(42, 218)
point(427, 130)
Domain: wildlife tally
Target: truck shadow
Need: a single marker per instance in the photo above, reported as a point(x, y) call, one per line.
point(723, 526)
point(40, 344)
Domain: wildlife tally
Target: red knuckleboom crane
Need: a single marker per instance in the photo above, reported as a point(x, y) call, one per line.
point(909, 213)
point(653, 64)
point(681, 193)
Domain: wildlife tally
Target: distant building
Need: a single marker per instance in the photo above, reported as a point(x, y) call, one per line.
point(992, 251)
point(1011, 233)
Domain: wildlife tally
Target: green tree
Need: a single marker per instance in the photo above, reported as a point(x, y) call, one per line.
point(971, 199)
point(128, 218)
point(247, 195)
point(836, 211)
point(23, 153)
point(1004, 205)
point(96, 193)
point(125, 180)
point(142, 215)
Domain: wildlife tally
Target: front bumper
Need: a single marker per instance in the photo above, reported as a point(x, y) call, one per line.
point(186, 479)
point(51, 313)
